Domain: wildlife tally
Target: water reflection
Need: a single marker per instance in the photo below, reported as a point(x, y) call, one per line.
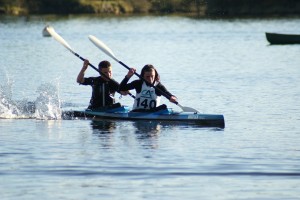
point(147, 128)
point(147, 133)
point(103, 130)
point(103, 126)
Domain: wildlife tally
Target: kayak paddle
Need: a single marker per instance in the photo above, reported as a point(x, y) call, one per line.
point(98, 43)
point(57, 37)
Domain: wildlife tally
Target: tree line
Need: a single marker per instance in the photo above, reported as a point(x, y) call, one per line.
point(221, 8)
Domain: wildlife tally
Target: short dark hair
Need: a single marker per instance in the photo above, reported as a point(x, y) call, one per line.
point(104, 64)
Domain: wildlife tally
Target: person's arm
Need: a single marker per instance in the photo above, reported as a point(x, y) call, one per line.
point(80, 77)
point(166, 93)
point(123, 85)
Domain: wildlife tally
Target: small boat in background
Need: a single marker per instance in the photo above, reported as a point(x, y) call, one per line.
point(45, 32)
point(278, 38)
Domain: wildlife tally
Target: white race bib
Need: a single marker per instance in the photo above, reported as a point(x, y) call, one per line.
point(147, 98)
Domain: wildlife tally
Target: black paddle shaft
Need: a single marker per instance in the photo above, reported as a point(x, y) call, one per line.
point(102, 74)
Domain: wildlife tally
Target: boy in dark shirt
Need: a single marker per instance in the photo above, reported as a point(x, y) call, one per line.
point(104, 86)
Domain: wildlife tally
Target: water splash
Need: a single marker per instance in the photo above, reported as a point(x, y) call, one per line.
point(8, 107)
point(47, 105)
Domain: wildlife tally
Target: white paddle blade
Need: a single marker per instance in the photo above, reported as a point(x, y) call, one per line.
point(55, 35)
point(98, 43)
point(188, 109)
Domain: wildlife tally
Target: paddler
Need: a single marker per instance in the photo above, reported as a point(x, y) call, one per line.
point(147, 98)
point(104, 86)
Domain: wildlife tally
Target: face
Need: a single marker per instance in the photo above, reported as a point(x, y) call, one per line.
point(149, 76)
point(107, 72)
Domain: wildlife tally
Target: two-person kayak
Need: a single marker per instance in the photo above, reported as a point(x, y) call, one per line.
point(165, 115)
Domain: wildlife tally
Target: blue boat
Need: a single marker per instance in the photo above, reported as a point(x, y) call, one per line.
point(166, 115)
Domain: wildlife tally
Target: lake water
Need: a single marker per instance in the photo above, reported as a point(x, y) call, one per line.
point(215, 66)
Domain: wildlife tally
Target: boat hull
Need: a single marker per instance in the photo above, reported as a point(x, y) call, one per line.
point(276, 38)
point(166, 115)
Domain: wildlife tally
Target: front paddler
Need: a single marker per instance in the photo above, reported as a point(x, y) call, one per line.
point(147, 97)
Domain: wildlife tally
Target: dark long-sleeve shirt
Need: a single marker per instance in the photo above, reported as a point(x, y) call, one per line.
point(103, 91)
point(137, 85)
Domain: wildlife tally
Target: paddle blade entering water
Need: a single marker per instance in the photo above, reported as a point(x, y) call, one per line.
point(188, 109)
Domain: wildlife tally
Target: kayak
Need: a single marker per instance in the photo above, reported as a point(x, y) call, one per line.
point(165, 115)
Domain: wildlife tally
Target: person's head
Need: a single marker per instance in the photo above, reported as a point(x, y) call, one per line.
point(150, 74)
point(105, 68)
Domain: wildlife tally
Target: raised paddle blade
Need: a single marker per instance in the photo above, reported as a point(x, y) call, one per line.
point(57, 37)
point(52, 32)
point(98, 43)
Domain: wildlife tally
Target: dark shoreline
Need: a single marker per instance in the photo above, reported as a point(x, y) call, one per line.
point(54, 17)
point(193, 8)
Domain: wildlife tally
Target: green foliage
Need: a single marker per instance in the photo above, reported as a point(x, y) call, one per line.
point(166, 5)
point(253, 7)
point(56, 6)
point(140, 6)
point(200, 7)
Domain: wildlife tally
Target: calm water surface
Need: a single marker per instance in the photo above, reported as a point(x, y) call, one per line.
point(215, 66)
